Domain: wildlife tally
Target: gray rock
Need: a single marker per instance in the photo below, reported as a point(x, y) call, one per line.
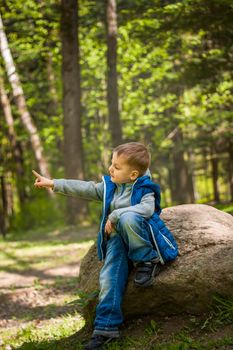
point(204, 267)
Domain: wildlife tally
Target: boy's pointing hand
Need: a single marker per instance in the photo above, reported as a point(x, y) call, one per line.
point(42, 182)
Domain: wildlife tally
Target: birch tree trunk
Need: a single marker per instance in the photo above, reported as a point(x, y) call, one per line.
point(112, 90)
point(73, 149)
point(21, 103)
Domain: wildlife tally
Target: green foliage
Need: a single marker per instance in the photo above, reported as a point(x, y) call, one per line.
point(38, 213)
point(152, 328)
point(223, 309)
point(228, 208)
point(174, 71)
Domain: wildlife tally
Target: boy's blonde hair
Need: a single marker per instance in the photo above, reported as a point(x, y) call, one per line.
point(136, 154)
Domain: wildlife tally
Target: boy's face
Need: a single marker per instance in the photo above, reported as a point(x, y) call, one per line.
point(120, 171)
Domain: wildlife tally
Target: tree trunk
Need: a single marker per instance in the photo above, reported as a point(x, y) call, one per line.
point(112, 90)
point(6, 203)
point(21, 103)
point(53, 103)
point(205, 167)
point(230, 171)
point(180, 172)
point(170, 179)
point(15, 146)
point(3, 208)
point(191, 177)
point(73, 149)
point(214, 165)
point(53, 107)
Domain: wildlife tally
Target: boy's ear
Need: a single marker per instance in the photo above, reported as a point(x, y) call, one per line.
point(134, 175)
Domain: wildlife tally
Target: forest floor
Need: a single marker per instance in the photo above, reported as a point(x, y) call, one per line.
point(39, 286)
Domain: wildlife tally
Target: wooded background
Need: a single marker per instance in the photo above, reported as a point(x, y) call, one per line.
point(79, 77)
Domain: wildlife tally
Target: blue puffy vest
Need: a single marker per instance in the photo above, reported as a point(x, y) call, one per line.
point(162, 238)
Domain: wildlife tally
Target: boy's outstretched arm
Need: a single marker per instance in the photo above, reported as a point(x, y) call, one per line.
point(42, 182)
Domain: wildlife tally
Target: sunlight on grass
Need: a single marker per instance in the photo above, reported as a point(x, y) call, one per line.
point(38, 331)
point(228, 208)
point(17, 256)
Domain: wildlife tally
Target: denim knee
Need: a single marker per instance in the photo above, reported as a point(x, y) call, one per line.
point(129, 220)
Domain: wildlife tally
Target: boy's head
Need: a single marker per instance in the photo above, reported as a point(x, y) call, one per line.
point(129, 161)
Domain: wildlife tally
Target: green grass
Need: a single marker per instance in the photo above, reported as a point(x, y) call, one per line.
point(227, 208)
point(44, 312)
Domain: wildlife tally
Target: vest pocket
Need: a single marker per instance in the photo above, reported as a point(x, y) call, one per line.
point(168, 241)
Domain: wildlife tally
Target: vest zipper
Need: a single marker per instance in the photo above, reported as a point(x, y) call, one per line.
point(156, 245)
point(101, 226)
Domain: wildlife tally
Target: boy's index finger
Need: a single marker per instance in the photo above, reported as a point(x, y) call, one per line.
point(36, 174)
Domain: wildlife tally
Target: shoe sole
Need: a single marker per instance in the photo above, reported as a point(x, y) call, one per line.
point(108, 341)
point(112, 340)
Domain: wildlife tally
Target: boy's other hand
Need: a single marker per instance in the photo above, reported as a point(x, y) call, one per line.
point(42, 182)
point(109, 227)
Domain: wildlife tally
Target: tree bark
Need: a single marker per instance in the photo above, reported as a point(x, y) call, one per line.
point(53, 107)
point(73, 149)
point(3, 208)
point(181, 189)
point(21, 103)
point(191, 176)
point(170, 179)
point(112, 89)
point(230, 169)
point(6, 202)
point(214, 164)
point(15, 146)
point(53, 103)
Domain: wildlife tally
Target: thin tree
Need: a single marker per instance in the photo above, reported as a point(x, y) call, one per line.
point(215, 173)
point(112, 89)
point(182, 188)
point(21, 103)
point(15, 146)
point(73, 148)
point(230, 169)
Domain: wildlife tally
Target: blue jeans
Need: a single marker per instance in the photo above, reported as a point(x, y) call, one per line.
point(131, 241)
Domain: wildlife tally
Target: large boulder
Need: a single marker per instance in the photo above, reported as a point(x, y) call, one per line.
point(204, 266)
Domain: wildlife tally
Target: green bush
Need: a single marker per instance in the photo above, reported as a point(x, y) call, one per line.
point(39, 212)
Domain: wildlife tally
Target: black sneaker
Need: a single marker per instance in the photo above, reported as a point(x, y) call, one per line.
point(146, 271)
point(98, 341)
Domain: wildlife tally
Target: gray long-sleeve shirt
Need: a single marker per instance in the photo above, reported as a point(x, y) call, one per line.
point(120, 202)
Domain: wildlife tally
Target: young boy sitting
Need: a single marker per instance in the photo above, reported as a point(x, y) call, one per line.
point(130, 231)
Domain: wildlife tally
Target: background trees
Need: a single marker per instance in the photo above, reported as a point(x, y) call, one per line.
point(168, 84)
point(73, 147)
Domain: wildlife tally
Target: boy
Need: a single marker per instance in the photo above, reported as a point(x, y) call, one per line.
point(130, 231)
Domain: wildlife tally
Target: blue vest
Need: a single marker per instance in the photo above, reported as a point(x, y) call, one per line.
point(162, 238)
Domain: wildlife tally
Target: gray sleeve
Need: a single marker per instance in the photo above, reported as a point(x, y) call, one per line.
point(145, 208)
point(79, 188)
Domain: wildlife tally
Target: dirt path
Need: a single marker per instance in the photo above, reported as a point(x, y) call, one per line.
point(21, 293)
point(39, 277)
